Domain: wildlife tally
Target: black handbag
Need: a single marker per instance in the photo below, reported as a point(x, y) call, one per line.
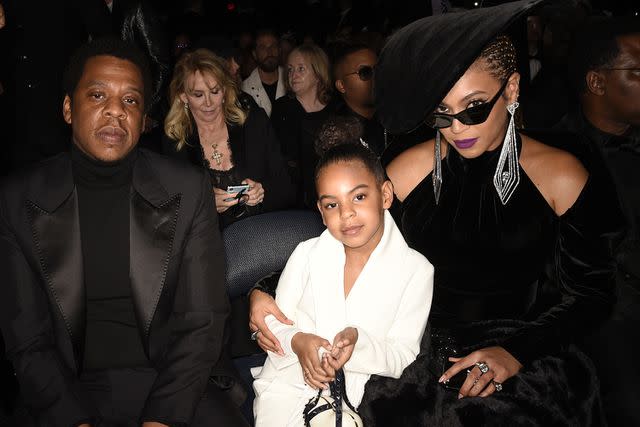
point(329, 411)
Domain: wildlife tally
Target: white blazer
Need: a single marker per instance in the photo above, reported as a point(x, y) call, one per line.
point(388, 304)
point(253, 86)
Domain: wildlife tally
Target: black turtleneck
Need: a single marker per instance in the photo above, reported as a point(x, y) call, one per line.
point(112, 339)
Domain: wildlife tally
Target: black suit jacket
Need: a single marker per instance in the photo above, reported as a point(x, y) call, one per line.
point(177, 279)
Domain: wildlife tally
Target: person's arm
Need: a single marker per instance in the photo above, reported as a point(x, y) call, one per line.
point(49, 388)
point(289, 292)
point(583, 269)
point(389, 356)
point(199, 313)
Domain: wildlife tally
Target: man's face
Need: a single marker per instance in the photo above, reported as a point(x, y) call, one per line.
point(106, 110)
point(267, 52)
point(622, 90)
point(353, 89)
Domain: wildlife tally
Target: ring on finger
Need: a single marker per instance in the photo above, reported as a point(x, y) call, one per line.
point(254, 334)
point(484, 368)
point(497, 385)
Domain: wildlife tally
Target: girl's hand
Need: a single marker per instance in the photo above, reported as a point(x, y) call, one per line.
point(261, 304)
point(502, 366)
point(343, 345)
point(306, 346)
point(255, 193)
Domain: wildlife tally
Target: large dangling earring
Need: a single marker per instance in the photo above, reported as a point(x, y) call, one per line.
point(186, 107)
point(507, 175)
point(437, 167)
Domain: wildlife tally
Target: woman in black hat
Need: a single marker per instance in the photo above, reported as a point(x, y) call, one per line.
point(499, 214)
point(521, 249)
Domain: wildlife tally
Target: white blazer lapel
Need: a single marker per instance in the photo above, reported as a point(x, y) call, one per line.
point(326, 275)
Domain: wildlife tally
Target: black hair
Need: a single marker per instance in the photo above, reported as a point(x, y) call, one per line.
point(265, 31)
point(339, 140)
point(595, 46)
point(107, 46)
point(340, 50)
point(500, 58)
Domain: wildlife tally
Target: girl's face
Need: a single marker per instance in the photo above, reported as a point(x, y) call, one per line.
point(352, 204)
point(204, 96)
point(301, 77)
point(475, 87)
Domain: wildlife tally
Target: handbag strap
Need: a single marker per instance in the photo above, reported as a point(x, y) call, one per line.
point(338, 393)
point(343, 392)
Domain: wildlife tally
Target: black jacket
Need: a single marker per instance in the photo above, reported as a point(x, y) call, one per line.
point(179, 300)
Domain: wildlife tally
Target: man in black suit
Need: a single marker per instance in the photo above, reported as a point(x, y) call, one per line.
point(605, 70)
point(113, 301)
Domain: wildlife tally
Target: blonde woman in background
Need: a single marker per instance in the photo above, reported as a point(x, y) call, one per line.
point(210, 126)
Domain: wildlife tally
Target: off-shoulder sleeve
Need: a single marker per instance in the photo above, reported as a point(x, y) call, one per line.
point(582, 268)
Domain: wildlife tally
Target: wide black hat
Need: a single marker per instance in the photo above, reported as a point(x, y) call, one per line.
point(422, 61)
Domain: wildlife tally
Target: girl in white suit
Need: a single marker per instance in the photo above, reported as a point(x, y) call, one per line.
point(358, 296)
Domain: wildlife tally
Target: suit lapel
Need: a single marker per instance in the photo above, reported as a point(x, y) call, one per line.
point(55, 224)
point(153, 218)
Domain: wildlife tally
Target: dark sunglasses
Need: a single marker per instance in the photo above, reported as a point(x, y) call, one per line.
point(470, 116)
point(365, 73)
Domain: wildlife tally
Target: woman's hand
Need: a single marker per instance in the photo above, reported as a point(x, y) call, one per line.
point(306, 346)
point(343, 345)
point(502, 366)
point(255, 193)
point(261, 304)
point(224, 200)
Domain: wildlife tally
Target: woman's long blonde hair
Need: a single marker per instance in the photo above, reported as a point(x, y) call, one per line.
point(179, 124)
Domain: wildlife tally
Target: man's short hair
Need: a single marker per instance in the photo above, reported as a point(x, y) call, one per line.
point(265, 31)
point(107, 46)
point(595, 47)
point(341, 50)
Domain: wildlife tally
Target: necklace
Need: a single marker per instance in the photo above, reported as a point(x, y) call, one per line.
point(217, 155)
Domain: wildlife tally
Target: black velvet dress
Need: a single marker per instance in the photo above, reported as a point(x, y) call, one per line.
point(491, 261)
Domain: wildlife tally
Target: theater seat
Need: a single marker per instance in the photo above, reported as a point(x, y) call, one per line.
point(256, 247)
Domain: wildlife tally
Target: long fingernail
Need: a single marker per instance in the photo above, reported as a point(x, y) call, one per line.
point(460, 396)
point(442, 378)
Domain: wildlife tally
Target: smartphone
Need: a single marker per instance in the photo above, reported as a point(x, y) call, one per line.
point(233, 189)
point(457, 380)
point(237, 191)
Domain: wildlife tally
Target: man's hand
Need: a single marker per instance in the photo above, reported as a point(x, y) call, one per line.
point(306, 346)
point(342, 349)
point(501, 366)
point(261, 305)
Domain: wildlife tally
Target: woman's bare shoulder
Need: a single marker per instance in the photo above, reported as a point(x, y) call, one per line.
point(410, 167)
point(558, 174)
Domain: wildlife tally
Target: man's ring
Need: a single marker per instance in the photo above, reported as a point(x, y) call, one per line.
point(497, 385)
point(254, 335)
point(484, 368)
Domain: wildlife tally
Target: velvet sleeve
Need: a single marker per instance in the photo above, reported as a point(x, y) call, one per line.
point(582, 269)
